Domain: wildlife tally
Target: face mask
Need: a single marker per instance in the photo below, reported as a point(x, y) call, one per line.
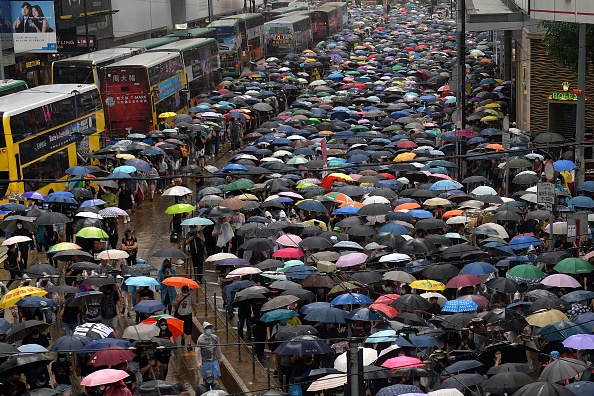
point(185, 294)
point(340, 394)
point(389, 289)
point(44, 282)
point(62, 359)
point(150, 351)
point(209, 380)
point(164, 327)
point(208, 331)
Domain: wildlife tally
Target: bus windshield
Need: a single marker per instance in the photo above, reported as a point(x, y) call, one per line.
point(68, 74)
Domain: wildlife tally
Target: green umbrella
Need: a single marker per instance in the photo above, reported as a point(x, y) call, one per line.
point(353, 73)
point(241, 184)
point(359, 128)
point(92, 233)
point(313, 121)
point(179, 208)
point(573, 265)
point(526, 271)
point(301, 111)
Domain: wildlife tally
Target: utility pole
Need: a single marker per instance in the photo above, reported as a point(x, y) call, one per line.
point(580, 123)
point(354, 369)
point(461, 56)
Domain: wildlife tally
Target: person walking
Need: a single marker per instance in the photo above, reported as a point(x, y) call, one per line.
point(209, 353)
point(195, 240)
point(184, 305)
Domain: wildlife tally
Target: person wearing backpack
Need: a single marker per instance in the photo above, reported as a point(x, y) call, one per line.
point(111, 308)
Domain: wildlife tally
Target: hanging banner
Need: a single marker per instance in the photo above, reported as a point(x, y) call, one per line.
point(34, 26)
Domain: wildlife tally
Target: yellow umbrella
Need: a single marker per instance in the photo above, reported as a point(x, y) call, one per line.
point(125, 156)
point(12, 297)
point(342, 176)
point(437, 202)
point(247, 197)
point(63, 246)
point(544, 318)
point(492, 106)
point(427, 284)
point(318, 223)
point(167, 114)
point(489, 118)
point(403, 157)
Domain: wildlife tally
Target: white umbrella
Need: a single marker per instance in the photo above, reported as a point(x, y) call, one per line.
point(559, 228)
point(471, 204)
point(177, 191)
point(529, 197)
point(501, 233)
point(329, 381)
point(369, 356)
point(376, 199)
point(399, 276)
point(458, 220)
point(112, 254)
point(89, 215)
point(394, 257)
point(446, 392)
point(441, 300)
point(140, 332)
point(16, 239)
point(484, 190)
point(219, 256)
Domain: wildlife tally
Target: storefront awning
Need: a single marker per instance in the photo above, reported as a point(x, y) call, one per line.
point(483, 15)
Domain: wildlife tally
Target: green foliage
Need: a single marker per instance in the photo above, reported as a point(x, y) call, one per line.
point(561, 41)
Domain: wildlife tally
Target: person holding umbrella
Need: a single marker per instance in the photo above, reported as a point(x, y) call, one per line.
point(14, 386)
point(209, 384)
point(23, 246)
point(130, 246)
point(167, 292)
point(61, 372)
point(11, 263)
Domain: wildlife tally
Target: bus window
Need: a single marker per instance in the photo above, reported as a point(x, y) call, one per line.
point(40, 173)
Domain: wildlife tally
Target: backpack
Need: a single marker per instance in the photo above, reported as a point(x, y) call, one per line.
point(184, 151)
point(109, 306)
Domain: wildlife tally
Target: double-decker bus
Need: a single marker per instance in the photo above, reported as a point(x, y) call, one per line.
point(83, 69)
point(230, 46)
point(136, 90)
point(287, 35)
point(250, 26)
point(325, 21)
point(149, 44)
point(194, 33)
point(281, 12)
point(10, 86)
point(200, 58)
point(44, 131)
point(344, 12)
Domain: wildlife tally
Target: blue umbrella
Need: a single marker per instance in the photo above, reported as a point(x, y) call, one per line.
point(581, 388)
point(394, 228)
point(391, 184)
point(478, 268)
point(587, 186)
point(106, 342)
point(12, 207)
point(586, 320)
point(92, 202)
point(420, 214)
point(278, 314)
point(36, 302)
point(125, 169)
point(336, 75)
point(351, 299)
point(300, 272)
point(559, 331)
point(326, 315)
point(234, 168)
point(402, 216)
point(524, 242)
point(564, 165)
point(381, 336)
point(77, 171)
point(418, 341)
point(231, 262)
point(445, 185)
point(32, 348)
point(578, 295)
point(149, 307)
point(312, 206)
point(119, 175)
point(303, 345)
point(154, 151)
point(346, 210)
point(140, 165)
point(141, 281)
point(462, 365)
point(70, 343)
point(459, 306)
point(237, 286)
point(581, 202)
point(363, 314)
point(197, 221)
point(307, 308)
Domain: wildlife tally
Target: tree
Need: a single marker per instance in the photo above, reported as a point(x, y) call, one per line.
point(561, 41)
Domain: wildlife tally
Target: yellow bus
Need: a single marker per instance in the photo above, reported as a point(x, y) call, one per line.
point(45, 130)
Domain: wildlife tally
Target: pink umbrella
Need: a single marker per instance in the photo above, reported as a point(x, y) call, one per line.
point(401, 362)
point(288, 253)
point(289, 240)
point(479, 300)
point(244, 271)
point(120, 212)
point(351, 259)
point(103, 377)
point(290, 194)
point(387, 299)
point(441, 176)
point(560, 280)
point(588, 256)
point(463, 281)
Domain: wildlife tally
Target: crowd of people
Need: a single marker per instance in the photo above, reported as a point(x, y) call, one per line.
point(350, 216)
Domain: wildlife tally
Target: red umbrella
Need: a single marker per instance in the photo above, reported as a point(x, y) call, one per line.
point(288, 253)
point(111, 356)
point(389, 311)
point(479, 300)
point(402, 362)
point(463, 281)
point(386, 299)
point(407, 144)
point(387, 176)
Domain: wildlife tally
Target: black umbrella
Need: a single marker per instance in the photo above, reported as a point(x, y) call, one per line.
point(507, 319)
point(375, 209)
point(20, 330)
point(51, 218)
point(460, 366)
point(69, 343)
point(159, 388)
point(503, 285)
point(70, 254)
point(430, 224)
point(506, 383)
point(362, 231)
point(367, 277)
point(139, 269)
point(279, 302)
point(554, 256)
point(41, 392)
point(512, 367)
point(526, 178)
point(316, 280)
point(465, 380)
point(286, 333)
point(303, 345)
point(411, 302)
point(82, 299)
point(99, 280)
point(388, 239)
point(439, 240)
point(8, 349)
point(63, 289)
point(550, 303)
point(9, 223)
point(258, 245)
point(441, 271)
point(94, 331)
point(251, 293)
point(269, 264)
point(170, 253)
point(543, 389)
point(41, 270)
point(354, 221)
point(302, 294)
point(507, 215)
point(24, 363)
point(416, 246)
point(457, 321)
point(315, 242)
point(458, 251)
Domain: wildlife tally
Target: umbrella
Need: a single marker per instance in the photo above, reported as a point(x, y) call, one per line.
point(69, 343)
point(286, 333)
point(92, 233)
point(171, 253)
point(543, 318)
point(369, 356)
point(159, 388)
point(465, 380)
point(149, 306)
point(23, 363)
point(13, 296)
point(180, 281)
point(559, 331)
point(581, 388)
point(573, 265)
point(326, 315)
point(279, 302)
point(402, 362)
point(94, 331)
point(562, 369)
point(111, 356)
point(506, 383)
point(462, 365)
point(20, 330)
point(278, 314)
point(399, 389)
point(303, 345)
point(579, 341)
point(103, 377)
point(329, 381)
point(543, 389)
point(141, 332)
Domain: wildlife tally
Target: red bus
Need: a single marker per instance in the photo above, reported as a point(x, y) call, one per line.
point(325, 21)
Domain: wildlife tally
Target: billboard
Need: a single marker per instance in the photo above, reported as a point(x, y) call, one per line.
point(34, 26)
point(76, 8)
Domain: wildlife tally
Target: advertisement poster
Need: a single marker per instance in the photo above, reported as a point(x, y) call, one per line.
point(5, 24)
point(34, 26)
